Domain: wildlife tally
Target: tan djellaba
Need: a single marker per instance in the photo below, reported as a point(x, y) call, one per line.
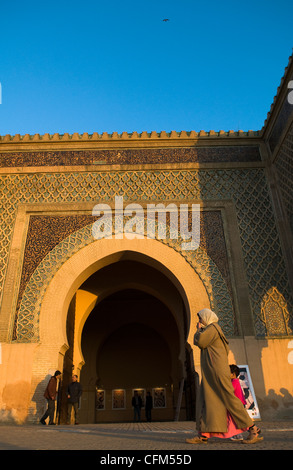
point(216, 394)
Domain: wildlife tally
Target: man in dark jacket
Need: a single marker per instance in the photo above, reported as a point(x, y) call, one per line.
point(148, 406)
point(50, 395)
point(74, 392)
point(137, 404)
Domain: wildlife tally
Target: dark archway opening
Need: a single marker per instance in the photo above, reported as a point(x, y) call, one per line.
point(130, 342)
point(134, 339)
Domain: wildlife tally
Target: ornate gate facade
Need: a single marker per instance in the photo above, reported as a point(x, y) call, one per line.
point(242, 268)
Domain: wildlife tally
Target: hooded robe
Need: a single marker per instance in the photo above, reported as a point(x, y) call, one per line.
point(216, 396)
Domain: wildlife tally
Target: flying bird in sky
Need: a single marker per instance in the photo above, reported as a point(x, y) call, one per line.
point(166, 19)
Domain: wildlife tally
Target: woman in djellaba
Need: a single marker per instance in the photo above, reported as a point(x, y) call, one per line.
point(219, 412)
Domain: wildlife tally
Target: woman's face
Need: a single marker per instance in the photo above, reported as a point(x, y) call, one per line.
point(200, 322)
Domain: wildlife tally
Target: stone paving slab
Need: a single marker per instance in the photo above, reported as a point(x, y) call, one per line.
point(147, 437)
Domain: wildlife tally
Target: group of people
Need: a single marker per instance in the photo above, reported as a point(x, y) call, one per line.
point(137, 405)
point(220, 410)
point(74, 392)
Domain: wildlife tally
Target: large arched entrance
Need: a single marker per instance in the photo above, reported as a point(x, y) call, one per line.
point(116, 301)
point(130, 342)
point(133, 339)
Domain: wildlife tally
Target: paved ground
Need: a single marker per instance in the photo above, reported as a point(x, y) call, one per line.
point(147, 437)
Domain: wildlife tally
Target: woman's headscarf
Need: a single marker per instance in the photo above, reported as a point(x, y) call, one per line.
point(207, 316)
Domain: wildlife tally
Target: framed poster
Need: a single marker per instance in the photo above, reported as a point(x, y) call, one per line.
point(100, 399)
point(159, 397)
point(247, 387)
point(118, 399)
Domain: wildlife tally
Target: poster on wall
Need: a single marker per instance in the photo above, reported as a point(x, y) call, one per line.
point(247, 387)
point(100, 399)
point(118, 399)
point(159, 397)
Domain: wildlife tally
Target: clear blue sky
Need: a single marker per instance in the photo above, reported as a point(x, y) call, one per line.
point(105, 66)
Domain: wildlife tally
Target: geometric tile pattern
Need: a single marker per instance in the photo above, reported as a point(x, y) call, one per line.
point(284, 166)
point(247, 188)
point(46, 231)
point(27, 324)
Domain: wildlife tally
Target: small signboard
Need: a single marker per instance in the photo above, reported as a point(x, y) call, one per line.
point(247, 387)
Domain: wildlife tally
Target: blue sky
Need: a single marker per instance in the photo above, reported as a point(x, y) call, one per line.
point(114, 66)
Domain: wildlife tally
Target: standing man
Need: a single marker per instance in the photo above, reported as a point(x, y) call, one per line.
point(137, 404)
point(74, 392)
point(148, 406)
point(50, 395)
